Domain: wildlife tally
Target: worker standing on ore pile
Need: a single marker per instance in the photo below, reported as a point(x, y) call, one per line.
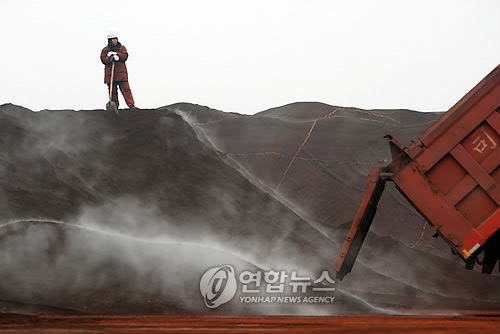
point(117, 53)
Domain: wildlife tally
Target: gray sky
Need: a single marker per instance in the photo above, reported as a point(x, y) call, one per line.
point(248, 56)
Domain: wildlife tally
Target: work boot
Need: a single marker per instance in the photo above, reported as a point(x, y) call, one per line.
point(133, 107)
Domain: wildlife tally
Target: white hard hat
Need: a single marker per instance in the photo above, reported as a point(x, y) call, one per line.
point(112, 34)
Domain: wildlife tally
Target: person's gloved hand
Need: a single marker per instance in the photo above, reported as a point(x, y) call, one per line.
point(111, 53)
point(116, 58)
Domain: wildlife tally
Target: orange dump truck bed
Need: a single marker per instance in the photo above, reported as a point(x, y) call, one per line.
point(451, 175)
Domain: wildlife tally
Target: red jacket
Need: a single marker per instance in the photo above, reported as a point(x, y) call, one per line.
point(120, 67)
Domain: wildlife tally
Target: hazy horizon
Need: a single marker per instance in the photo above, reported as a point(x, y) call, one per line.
point(249, 56)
